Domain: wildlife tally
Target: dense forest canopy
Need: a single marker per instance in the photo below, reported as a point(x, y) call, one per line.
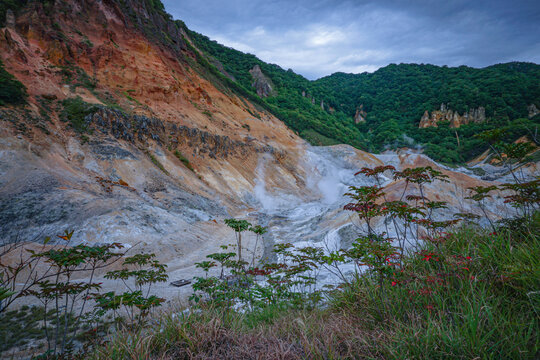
point(394, 98)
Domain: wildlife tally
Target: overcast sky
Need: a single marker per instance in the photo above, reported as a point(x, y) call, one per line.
point(319, 37)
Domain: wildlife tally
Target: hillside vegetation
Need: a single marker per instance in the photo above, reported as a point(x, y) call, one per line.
point(413, 279)
point(11, 90)
point(288, 104)
point(394, 98)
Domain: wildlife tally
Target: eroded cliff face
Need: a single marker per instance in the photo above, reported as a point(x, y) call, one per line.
point(163, 153)
point(445, 114)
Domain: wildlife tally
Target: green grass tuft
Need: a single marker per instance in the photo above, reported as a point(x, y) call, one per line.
point(156, 162)
point(184, 160)
point(75, 110)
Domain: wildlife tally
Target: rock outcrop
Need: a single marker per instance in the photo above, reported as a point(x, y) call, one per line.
point(360, 116)
point(262, 84)
point(140, 130)
point(533, 110)
point(10, 19)
point(445, 114)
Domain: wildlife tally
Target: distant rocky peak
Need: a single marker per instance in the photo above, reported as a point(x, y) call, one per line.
point(262, 84)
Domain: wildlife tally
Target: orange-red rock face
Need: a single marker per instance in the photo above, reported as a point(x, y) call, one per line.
point(88, 40)
point(138, 74)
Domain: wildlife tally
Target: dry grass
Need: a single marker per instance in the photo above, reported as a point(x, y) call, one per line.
point(210, 335)
point(329, 334)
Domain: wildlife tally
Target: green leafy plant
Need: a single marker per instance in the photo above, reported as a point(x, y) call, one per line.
point(51, 274)
point(139, 273)
point(239, 226)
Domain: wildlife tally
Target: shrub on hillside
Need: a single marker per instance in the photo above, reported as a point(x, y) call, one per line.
point(12, 91)
point(75, 111)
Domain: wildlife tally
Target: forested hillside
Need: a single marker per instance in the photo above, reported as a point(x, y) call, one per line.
point(396, 96)
point(394, 99)
point(301, 113)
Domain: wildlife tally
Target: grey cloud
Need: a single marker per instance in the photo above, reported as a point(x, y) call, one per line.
point(318, 37)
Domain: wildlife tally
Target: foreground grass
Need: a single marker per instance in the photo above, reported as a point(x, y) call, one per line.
point(475, 295)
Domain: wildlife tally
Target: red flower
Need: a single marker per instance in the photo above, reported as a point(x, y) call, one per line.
point(424, 291)
point(430, 256)
point(394, 283)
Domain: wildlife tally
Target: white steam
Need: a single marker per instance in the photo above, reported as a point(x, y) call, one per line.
point(267, 201)
point(326, 177)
